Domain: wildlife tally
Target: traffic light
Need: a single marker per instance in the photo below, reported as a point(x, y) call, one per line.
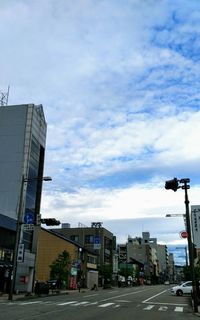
point(172, 184)
point(50, 222)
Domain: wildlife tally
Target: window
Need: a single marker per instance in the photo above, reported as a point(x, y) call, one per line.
point(92, 260)
point(74, 238)
point(89, 239)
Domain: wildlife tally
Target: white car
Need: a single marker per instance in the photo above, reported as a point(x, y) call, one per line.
point(182, 288)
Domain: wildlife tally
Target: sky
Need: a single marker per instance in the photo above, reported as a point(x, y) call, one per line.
point(119, 84)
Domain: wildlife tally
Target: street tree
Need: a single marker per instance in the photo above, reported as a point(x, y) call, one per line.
point(59, 269)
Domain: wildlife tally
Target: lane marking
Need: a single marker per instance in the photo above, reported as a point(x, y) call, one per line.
point(156, 295)
point(149, 307)
point(80, 303)
point(124, 295)
point(161, 303)
point(105, 305)
point(30, 302)
point(163, 308)
point(91, 304)
point(178, 309)
point(65, 303)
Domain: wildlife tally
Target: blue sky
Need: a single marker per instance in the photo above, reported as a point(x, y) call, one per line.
point(119, 83)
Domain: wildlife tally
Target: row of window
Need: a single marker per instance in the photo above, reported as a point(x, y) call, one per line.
point(6, 255)
point(89, 239)
point(93, 239)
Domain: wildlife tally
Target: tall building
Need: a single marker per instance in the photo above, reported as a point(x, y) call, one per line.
point(22, 143)
point(152, 255)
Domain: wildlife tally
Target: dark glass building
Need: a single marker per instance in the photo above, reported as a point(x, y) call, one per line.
point(22, 150)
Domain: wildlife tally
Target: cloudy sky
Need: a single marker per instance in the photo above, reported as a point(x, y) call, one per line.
point(119, 83)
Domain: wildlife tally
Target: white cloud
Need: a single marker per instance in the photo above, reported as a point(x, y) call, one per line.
point(120, 90)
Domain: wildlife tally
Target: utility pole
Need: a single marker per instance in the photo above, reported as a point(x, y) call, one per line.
point(174, 185)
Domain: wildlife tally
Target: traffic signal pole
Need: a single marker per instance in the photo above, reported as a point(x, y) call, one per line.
point(174, 185)
point(190, 245)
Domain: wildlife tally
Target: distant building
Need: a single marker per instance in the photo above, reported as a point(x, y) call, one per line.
point(95, 238)
point(146, 251)
point(22, 140)
point(171, 268)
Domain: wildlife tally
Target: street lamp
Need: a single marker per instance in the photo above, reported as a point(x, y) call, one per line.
point(174, 185)
point(18, 229)
point(170, 215)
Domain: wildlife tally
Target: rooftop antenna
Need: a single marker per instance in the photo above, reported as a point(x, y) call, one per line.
point(4, 97)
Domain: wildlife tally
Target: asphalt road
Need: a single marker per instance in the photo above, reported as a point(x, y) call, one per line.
point(145, 302)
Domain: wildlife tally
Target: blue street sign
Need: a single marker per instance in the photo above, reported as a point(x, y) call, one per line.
point(28, 218)
point(97, 239)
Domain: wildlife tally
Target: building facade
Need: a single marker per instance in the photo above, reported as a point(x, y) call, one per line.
point(22, 140)
point(152, 256)
point(82, 266)
point(95, 238)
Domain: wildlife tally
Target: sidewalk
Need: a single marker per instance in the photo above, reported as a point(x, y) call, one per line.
point(24, 296)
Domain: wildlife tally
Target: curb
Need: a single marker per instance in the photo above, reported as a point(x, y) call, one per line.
point(24, 296)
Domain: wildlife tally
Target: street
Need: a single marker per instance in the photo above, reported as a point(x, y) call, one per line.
point(144, 302)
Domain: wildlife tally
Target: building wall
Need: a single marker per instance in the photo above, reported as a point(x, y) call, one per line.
point(82, 235)
point(154, 256)
point(162, 255)
point(49, 247)
point(22, 131)
point(137, 252)
point(12, 136)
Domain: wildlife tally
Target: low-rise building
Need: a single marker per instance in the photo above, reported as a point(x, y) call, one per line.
point(83, 264)
point(95, 239)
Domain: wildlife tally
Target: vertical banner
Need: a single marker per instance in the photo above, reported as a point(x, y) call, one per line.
point(195, 221)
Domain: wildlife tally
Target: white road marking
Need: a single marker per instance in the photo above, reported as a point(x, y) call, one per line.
point(163, 308)
point(158, 294)
point(80, 303)
point(91, 304)
point(124, 295)
point(122, 300)
point(149, 307)
point(178, 309)
point(106, 305)
point(65, 303)
point(30, 302)
point(169, 303)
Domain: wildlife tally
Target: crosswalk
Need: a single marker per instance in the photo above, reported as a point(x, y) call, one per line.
point(101, 304)
point(163, 308)
point(74, 303)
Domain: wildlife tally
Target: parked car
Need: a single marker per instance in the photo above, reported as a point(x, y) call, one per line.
point(52, 284)
point(182, 288)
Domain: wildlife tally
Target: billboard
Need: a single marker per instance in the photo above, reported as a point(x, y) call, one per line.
point(195, 223)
